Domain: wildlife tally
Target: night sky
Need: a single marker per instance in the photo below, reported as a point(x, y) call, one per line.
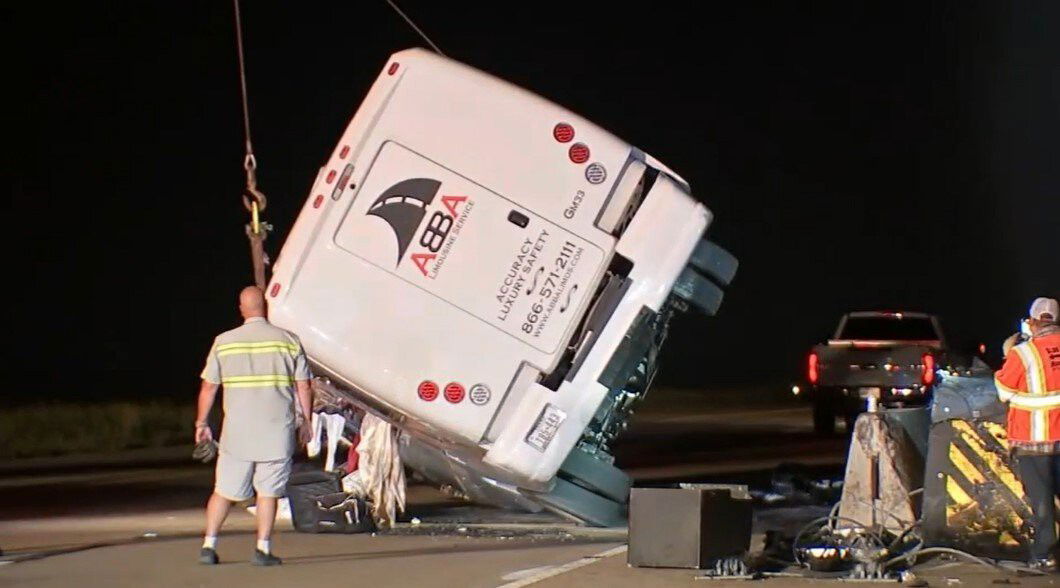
point(856, 156)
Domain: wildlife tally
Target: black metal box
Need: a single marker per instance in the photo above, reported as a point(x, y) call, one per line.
point(688, 527)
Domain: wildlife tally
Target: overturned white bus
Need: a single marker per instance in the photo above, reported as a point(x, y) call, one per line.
point(493, 274)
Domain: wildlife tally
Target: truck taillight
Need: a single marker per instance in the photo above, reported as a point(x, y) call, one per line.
point(928, 373)
point(812, 371)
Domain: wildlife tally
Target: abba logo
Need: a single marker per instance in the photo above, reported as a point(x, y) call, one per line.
point(403, 207)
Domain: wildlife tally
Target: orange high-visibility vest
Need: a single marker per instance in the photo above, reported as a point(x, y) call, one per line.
point(1030, 383)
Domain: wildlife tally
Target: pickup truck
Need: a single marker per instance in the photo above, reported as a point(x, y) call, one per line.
point(892, 354)
point(494, 275)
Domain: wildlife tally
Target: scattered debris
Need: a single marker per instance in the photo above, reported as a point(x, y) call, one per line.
point(792, 485)
point(908, 578)
point(729, 568)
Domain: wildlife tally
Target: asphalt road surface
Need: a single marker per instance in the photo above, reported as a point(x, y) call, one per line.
point(676, 435)
point(135, 519)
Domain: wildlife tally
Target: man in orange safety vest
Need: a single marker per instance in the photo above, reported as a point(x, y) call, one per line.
point(1029, 382)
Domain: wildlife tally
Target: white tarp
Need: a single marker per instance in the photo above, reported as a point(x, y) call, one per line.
point(380, 475)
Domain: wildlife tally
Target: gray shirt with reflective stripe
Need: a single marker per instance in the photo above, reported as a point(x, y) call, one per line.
point(257, 365)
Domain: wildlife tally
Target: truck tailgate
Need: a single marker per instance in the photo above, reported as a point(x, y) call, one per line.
point(877, 366)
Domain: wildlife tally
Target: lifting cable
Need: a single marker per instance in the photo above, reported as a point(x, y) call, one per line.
point(415, 28)
point(253, 199)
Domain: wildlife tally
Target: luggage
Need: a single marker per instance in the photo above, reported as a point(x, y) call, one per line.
point(318, 505)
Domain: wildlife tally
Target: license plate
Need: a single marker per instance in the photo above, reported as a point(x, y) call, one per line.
point(866, 392)
point(545, 428)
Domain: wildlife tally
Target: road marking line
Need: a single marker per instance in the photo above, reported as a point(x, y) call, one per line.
point(553, 571)
point(523, 574)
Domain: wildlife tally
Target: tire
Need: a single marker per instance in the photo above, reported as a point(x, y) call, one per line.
point(823, 418)
point(598, 476)
point(582, 505)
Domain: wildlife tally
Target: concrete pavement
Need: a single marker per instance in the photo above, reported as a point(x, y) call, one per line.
point(309, 560)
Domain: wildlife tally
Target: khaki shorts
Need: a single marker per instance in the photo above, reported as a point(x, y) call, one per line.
point(237, 479)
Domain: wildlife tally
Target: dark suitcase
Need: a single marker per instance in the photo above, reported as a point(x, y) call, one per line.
point(318, 505)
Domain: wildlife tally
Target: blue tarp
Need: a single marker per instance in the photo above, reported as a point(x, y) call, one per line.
point(969, 396)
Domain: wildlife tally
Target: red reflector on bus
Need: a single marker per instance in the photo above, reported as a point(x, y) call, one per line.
point(454, 392)
point(579, 153)
point(318, 201)
point(345, 151)
point(393, 69)
point(275, 290)
point(563, 132)
point(331, 176)
point(427, 390)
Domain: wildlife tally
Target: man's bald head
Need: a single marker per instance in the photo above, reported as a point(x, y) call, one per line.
point(251, 302)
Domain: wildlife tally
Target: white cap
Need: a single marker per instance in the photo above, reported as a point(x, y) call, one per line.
point(1045, 309)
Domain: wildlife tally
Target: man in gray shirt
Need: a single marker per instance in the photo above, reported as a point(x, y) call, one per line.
point(263, 369)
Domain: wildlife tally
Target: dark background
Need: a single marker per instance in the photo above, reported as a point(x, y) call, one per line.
point(855, 155)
